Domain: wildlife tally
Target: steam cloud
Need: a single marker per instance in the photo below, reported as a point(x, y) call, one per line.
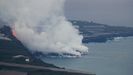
point(41, 26)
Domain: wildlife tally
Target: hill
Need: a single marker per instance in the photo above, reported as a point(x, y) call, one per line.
point(16, 59)
point(11, 47)
point(95, 32)
point(13, 52)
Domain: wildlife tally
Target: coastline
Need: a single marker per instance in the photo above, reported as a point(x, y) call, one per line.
point(92, 32)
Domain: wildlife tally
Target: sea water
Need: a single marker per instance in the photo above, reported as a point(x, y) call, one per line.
point(110, 58)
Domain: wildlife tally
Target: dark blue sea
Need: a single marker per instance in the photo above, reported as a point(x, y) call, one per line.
point(110, 58)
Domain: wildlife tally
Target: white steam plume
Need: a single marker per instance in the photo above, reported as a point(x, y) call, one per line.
point(41, 26)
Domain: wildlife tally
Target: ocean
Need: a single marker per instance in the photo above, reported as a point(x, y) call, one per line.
point(110, 58)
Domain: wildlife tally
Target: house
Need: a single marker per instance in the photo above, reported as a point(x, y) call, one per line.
point(21, 58)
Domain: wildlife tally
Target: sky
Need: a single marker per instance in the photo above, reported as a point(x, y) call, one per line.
point(111, 12)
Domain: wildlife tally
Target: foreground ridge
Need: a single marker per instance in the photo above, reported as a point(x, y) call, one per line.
point(36, 70)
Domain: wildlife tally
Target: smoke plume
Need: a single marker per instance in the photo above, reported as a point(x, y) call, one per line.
point(41, 26)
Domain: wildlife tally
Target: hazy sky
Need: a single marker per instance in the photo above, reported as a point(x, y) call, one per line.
point(113, 12)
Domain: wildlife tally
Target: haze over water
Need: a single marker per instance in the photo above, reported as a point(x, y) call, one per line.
point(110, 58)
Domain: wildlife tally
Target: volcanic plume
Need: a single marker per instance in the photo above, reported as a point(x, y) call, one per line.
point(41, 26)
